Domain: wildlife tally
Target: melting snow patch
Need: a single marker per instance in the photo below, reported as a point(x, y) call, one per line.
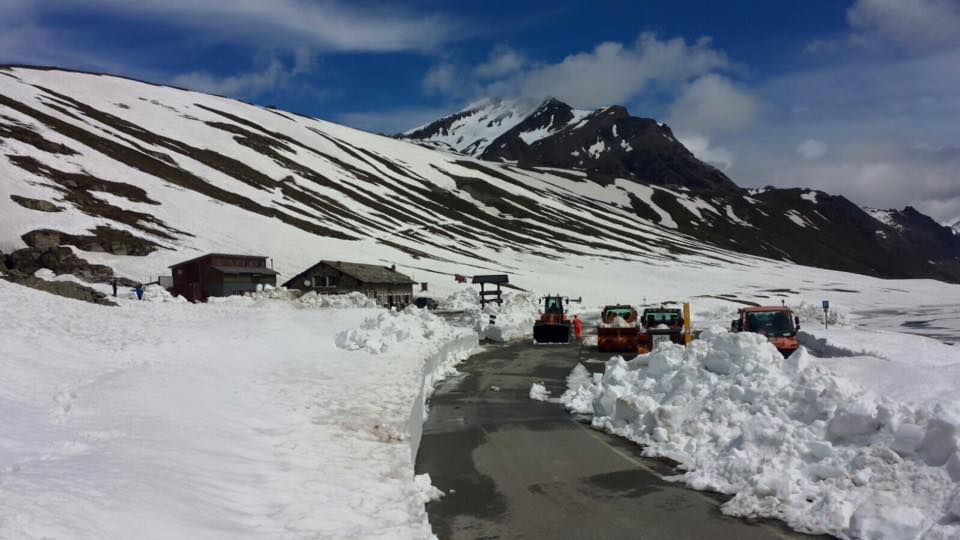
point(539, 392)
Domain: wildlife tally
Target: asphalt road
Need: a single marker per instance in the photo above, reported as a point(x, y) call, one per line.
point(518, 468)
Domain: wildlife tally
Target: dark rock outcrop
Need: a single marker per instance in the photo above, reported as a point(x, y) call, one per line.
point(39, 205)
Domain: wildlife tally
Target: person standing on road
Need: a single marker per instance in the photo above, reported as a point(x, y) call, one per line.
point(114, 287)
point(578, 327)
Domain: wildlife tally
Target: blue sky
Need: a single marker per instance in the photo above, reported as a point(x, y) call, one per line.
point(856, 97)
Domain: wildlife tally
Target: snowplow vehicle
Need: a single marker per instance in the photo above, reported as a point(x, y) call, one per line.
point(660, 325)
point(777, 323)
point(618, 329)
point(554, 325)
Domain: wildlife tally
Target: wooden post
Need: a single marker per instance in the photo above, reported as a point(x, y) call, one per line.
point(687, 324)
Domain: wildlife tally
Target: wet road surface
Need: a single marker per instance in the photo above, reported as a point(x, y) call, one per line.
point(518, 468)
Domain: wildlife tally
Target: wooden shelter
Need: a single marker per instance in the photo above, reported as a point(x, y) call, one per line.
point(220, 274)
point(490, 296)
point(384, 284)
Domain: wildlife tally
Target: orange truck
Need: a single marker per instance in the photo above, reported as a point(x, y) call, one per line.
point(618, 329)
point(776, 322)
point(661, 325)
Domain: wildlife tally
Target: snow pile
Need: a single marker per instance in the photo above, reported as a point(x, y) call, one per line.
point(787, 437)
point(513, 320)
point(812, 314)
point(619, 322)
point(465, 298)
point(426, 490)
point(337, 301)
point(539, 392)
point(379, 334)
point(156, 293)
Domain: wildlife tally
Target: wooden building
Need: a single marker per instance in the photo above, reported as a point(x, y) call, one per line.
point(220, 274)
point(384, 284)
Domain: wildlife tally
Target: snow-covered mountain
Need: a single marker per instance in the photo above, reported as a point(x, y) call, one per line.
point(101, 170)
point(607, 143)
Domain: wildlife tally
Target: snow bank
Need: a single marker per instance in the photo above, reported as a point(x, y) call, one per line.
point(379, 334)
point(338, 301)
point(230, 420)
point(787, 437)
point(465, 298)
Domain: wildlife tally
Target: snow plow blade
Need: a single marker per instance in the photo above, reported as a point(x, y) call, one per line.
point(617, 339)
point(551, 333)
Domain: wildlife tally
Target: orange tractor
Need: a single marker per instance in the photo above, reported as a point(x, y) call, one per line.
point(776, 322)
point(618, 329)
point(661, 325)
point(553, 325)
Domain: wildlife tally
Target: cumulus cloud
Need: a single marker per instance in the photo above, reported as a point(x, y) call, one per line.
point(812, 149)
point(713, 104)
point(614, 72)
point(701, 147)
point(503, 61)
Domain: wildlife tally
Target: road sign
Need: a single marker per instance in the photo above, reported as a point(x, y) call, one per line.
point(826, 305)
point(826, 308)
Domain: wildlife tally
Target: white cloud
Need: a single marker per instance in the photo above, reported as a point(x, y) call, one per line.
point(613, 72)
point(503, 61)
point(713, 104)
point(442, 78)
point(701, 147)
point(812, 149)
point(288, 24)
point(911, 23)
point(269, 75)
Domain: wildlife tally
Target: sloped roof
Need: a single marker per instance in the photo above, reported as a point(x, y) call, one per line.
point(224, 255)
point(367, 273)
point(245, 270)
point(370, 273)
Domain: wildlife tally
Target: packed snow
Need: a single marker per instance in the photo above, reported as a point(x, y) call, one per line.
point(222, 420)
point(854, 446)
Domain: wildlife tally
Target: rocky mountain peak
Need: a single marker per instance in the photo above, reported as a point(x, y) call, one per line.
point(607, 143)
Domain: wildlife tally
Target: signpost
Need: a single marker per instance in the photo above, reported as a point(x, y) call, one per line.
point(826, 308)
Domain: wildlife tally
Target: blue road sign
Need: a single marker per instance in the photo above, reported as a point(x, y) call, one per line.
point(826, 305)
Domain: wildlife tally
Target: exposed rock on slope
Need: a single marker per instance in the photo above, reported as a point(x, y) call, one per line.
point(139, 176)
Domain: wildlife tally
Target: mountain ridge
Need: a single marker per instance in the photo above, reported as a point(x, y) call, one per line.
point(136, 177)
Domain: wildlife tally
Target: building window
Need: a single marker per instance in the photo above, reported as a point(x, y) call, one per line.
point(325, 280)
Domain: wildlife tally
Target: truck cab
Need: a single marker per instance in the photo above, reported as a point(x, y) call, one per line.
point(777, 323)
point(660, 325)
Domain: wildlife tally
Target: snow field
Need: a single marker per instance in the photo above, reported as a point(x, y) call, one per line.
point(223, 420)
point(789, 438)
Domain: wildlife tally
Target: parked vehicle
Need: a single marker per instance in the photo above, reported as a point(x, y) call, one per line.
point(618, 329)
point(660, 325)
point(424, 302)
point(553, 325)
point(776, 322)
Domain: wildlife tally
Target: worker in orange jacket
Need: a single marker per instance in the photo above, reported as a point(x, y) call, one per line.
point(577, 327)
